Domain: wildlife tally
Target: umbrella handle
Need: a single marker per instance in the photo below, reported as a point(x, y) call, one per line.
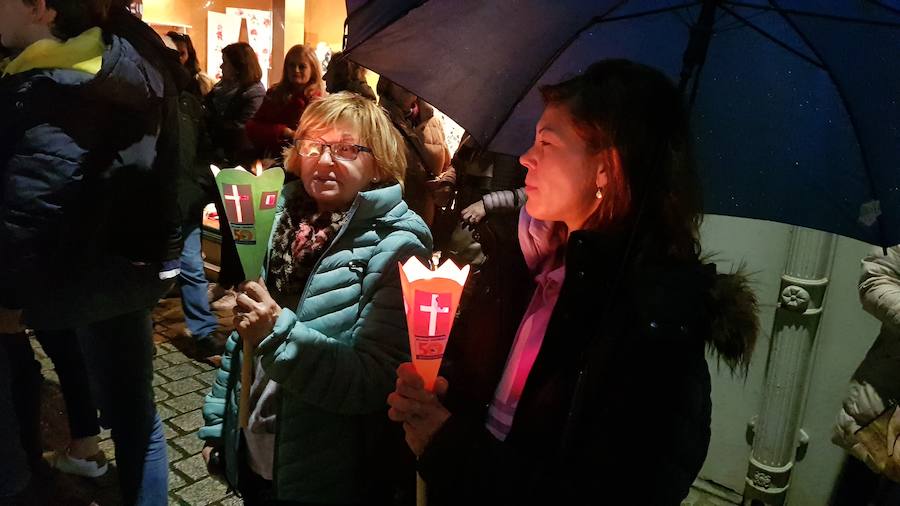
point(246, 382)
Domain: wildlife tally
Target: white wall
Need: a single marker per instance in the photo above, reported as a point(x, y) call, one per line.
point(844, 335)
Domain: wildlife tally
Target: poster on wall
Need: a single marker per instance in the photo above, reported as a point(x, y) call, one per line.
point(259, 35)
point(222, 29)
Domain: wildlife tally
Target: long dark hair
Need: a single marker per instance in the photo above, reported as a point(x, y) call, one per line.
point(638, 111)
point(243, 58)
point(192, 64)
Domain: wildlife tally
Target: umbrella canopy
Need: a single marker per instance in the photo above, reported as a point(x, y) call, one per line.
point(795, 104)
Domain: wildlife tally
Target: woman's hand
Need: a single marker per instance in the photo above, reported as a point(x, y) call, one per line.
point(255, 313)
point(474, 213)
point(419, 410)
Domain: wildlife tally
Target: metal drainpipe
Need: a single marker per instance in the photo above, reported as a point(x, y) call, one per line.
point(777, 441)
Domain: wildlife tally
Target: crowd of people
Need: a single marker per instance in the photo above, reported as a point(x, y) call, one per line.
point(592, 304)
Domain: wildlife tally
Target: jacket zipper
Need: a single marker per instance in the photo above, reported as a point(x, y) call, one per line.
point(315, 268)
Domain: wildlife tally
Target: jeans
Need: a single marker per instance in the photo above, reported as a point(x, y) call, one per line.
point(20, 406)
point(197, 316)
point(119, 356)
point(62, 347)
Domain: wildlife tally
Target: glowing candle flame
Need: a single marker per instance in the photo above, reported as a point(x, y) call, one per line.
point(258, 168)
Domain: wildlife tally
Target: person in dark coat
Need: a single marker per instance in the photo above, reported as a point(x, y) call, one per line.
point(577, 373)
point(230, 104)
point(187, 55)
point(83, 238)
point(430, 177)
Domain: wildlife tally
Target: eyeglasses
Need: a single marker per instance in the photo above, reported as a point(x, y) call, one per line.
point(339, 150)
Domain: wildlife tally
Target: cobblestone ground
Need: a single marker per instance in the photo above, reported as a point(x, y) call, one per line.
point(179, 383)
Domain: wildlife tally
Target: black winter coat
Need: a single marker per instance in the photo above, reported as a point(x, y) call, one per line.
point(79, 199)
point(616, 409)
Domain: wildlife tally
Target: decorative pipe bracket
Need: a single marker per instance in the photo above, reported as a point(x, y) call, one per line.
point(795, 298)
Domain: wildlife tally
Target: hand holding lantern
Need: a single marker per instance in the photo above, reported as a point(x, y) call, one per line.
point(250, 201)
point(419, 410)
point(430, 298)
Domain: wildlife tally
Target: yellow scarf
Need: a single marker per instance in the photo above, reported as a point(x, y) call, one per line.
point(84, 53)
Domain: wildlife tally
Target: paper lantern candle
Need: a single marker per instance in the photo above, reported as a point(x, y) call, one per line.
point(430, 299)
point(250, 201)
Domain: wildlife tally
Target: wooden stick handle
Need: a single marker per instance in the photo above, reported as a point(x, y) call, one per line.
point(246, 383)
point(421, 491)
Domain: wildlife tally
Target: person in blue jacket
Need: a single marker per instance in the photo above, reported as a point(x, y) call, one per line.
point(328, 322)
point(83, 243)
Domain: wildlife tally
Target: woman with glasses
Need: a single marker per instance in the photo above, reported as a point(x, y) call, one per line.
point(327, 321)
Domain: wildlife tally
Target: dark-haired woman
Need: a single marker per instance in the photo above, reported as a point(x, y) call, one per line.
point(187, 55)
point(578, 374)
point(230, 104)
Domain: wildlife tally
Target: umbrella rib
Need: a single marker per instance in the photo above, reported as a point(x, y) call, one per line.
point(822, 15)
point(772, 38)
point(604, 19)
point(850, 116)
point(595, 20)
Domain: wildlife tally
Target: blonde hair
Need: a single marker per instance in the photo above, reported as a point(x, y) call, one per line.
point(315, 85)
point(371, 124)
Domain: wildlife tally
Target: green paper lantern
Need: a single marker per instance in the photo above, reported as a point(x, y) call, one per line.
point(250, 203)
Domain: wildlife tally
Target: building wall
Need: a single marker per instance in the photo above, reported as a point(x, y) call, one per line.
point(845, 334)
point(193, 12)
point(304, 21)
point(325, 23)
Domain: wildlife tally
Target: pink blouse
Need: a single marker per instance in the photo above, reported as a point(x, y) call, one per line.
point(542, 245)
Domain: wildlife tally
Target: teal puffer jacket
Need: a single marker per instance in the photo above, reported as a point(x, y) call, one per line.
point(335, 358)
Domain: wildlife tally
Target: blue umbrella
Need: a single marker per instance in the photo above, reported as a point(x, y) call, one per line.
point(795, 104)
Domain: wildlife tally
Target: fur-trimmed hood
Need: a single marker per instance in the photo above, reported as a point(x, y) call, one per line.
point(696, 299)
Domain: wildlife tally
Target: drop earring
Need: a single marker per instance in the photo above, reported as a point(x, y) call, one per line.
point(599, 194)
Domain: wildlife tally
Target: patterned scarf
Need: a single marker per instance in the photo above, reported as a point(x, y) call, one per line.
point(301, 237)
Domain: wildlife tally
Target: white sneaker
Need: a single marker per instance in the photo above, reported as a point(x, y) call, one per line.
point(94, 466)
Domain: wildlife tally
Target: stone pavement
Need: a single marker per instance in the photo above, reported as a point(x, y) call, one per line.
point(179, 384)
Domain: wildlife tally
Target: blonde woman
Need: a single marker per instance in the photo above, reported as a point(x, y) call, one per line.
point(328, 322)
point(274, 123)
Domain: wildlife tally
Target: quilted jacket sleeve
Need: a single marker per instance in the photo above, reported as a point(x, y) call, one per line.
point(879, 286)
point(354, 377)
point(41, 177)
point(215, 403)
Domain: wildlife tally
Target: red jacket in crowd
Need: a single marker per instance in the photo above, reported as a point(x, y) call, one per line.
point(266, 128)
